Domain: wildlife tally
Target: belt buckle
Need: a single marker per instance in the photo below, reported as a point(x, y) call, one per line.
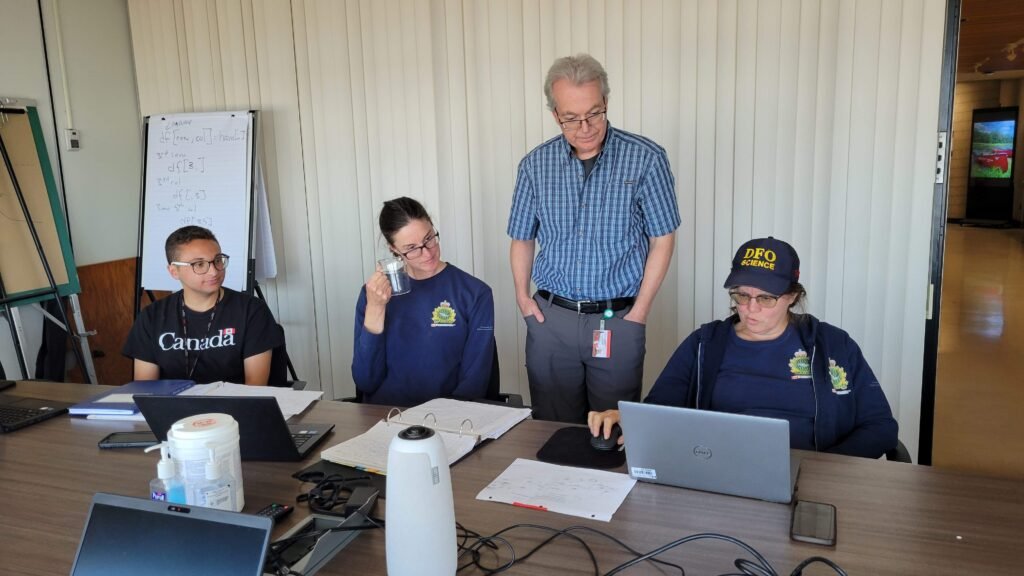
point(579, 305)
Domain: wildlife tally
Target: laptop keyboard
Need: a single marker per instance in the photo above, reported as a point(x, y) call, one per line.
point(302, 437)
point(10, 415)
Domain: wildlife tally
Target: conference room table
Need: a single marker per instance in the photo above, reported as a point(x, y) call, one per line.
point(893, 518)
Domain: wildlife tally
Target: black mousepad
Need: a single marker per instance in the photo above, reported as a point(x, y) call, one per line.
point(571, 447)
point(378, 481)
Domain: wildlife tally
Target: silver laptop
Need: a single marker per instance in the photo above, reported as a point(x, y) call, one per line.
point(130, 536)
point(713, 451)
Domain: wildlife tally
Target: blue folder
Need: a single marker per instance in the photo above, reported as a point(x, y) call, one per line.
point(119, 400)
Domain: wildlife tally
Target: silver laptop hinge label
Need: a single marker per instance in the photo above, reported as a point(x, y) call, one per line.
point(645, 473)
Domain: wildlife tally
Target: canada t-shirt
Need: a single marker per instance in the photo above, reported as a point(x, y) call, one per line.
point(241, 327)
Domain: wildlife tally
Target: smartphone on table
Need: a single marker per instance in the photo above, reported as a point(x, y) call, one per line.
point(814, 523)
point(129, 440)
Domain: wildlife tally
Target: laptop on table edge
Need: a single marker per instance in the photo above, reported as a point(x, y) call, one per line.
point(124, 535)
point(263, 432)
point(720, 452)
point(21, 411)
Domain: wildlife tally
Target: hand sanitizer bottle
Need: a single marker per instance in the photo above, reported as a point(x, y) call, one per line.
point(166, 486)
point(216, 491)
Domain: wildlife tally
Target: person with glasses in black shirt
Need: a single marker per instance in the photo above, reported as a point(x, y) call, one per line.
point(767, 360)
point(204, 332)
point(435, 341)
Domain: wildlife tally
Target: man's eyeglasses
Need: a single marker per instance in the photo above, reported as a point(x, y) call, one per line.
point(220, 262)
point(763, 300)
point(428, 243)
point(595, 119)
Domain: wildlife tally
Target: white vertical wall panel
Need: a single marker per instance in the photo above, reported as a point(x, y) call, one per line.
point(724, 151)
point(809, 120)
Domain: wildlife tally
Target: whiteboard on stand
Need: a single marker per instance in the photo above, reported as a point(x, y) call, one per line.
point(199, 170)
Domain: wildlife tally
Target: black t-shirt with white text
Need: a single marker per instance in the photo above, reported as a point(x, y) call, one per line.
point(242, 327)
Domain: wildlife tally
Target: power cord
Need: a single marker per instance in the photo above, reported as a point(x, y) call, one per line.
point(760, 567)
point(488, 541)
point(472, 544)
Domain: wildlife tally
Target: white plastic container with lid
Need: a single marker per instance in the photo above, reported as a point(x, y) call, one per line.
point(191, 440)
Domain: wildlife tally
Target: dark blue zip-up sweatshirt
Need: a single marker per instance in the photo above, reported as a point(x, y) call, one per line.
point(851, 416)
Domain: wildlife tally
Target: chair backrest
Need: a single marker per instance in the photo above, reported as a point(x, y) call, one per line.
point(281, 366)
point(494, 384)
point(899, 453)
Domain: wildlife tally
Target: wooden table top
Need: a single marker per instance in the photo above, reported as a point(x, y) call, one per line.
point(893, 518)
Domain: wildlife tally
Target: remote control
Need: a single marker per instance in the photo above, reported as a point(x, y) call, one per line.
point(276, 511)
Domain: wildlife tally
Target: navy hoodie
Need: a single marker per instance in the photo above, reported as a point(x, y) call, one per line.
point(851, 416)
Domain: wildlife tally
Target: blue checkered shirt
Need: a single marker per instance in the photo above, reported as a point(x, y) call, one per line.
point(593, 232)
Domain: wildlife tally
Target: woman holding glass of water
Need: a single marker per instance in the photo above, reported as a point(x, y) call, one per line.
point(434, 340)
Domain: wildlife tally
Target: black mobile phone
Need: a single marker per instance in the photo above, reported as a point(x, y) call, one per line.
point(814, 522)
point(128, 440)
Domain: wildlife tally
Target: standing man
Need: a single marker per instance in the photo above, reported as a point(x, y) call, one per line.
point(602, 204)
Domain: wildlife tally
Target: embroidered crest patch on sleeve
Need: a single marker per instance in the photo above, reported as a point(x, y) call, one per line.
point(837, 374)
point(800, 365)
point(443, 316)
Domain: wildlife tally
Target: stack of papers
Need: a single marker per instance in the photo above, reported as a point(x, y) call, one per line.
point(460, 425)
point(290, 401)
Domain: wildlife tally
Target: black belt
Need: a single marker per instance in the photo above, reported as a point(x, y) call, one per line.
point(587, 306)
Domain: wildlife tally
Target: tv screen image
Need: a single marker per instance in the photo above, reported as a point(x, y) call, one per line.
point(992, 149)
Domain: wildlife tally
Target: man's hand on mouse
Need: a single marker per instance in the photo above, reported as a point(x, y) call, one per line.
point(601, 423)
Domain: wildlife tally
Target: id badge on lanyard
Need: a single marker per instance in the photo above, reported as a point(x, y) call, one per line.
point(602, 345)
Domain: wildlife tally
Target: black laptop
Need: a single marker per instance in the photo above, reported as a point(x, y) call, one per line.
point(264, 434)
point(130, 536)
point(20, 411)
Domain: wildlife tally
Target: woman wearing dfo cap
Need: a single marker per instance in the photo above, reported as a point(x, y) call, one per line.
point(767, 360)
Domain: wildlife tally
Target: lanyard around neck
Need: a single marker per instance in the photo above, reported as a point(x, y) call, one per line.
point(184, 333)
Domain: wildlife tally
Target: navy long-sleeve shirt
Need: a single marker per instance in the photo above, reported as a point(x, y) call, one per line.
point(438, 341)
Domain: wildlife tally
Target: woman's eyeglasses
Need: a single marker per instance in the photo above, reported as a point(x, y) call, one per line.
point(763, 300)
point(428, 243)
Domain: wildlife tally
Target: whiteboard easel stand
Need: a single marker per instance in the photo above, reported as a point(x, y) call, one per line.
point(82, 353)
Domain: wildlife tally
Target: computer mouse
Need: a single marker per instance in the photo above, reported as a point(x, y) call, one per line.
point(599, 442)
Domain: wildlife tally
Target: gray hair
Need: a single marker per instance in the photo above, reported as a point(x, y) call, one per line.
point(579, 69)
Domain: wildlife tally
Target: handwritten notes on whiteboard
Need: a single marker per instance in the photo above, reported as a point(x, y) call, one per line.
point(198, 172)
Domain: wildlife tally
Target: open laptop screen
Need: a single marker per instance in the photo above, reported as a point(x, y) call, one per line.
point(130, 536)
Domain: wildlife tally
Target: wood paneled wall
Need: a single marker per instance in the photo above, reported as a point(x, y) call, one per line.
point(811, 120)
point(107, 306)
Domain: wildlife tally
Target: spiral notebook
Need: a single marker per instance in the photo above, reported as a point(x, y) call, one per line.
point(461, 425)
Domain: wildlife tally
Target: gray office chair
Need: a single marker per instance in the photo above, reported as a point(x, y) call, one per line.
point(899, 453)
